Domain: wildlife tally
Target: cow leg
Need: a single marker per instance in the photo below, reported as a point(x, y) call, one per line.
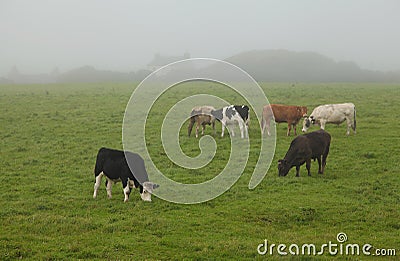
point(132, 184)
point(322, 124)
point(288, 129)
point(348, 126)
point(294, 127)
point(308, 166)
point(323, 164)
point(232, 131)
point(97, 184)
point(297, 170)
point(268, 127)
point(127, 190)
point(213, 126)
point(241, 126)
point(203, 128)
point(109, 187)
point(262, 127)
point(197, 129)
point(223, 129)
point(324, 156)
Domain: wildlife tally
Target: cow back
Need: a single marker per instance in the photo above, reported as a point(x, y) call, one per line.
point(111, 162)
point(202, 110)
point(286, 113)
point(318, 141)
point(310, 145)
point(114, 164)
point(137, 167)
point(243, 111)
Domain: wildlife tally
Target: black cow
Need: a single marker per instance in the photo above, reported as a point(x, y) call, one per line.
point(228, 115)
point(313, 145)
point(114, 165)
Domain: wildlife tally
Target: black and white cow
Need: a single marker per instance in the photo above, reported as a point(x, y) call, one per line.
point(114, 166)
point(228, 115)
point(332, 113)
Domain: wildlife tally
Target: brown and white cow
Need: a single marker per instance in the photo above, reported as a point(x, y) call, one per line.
point(282, 113)
point(201, 115)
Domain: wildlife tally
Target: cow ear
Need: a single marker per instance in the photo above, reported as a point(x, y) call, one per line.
point(155, 186)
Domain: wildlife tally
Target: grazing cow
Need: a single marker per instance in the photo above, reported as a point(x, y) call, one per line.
point(114, 165)
point(228, 115)
point(202, 116)
point(282, 113)
point(313, 145)
point(332, 113)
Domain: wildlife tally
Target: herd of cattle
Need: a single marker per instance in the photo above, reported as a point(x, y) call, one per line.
point(115, 164)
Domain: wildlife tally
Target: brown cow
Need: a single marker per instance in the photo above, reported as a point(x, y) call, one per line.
point(282, 113)
point(202, 116)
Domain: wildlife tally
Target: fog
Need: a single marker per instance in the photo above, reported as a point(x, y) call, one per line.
point(37, 36)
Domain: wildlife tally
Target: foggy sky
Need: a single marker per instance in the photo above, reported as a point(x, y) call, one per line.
point(38, 35)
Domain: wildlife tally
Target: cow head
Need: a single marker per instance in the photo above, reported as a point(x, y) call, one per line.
point(217, 114)
point(308, 121)
point(148, 188)
point(283, 167)
point(302, 111)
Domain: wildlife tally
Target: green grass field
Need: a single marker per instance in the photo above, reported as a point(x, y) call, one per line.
point(50, 134)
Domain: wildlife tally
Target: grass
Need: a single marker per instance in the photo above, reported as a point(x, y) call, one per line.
point(50, 134)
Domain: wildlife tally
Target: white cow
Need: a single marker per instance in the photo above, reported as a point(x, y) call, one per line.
point(332, 113)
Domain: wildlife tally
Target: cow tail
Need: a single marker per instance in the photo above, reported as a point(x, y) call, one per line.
point(262, 122)
point(99, 162)
point(355, 122)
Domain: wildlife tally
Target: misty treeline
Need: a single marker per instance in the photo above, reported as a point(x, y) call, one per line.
point(82, 74)
point(262, 65)
point(289, 66)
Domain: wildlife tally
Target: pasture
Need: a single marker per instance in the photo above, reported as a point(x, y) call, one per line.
point(50, 135)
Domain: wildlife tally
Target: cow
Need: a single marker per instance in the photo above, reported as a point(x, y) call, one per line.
point(113, 164)
point(201, 115)
point(332, 113)
point(313, 145)
point(228, 115)
point(282, 113)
